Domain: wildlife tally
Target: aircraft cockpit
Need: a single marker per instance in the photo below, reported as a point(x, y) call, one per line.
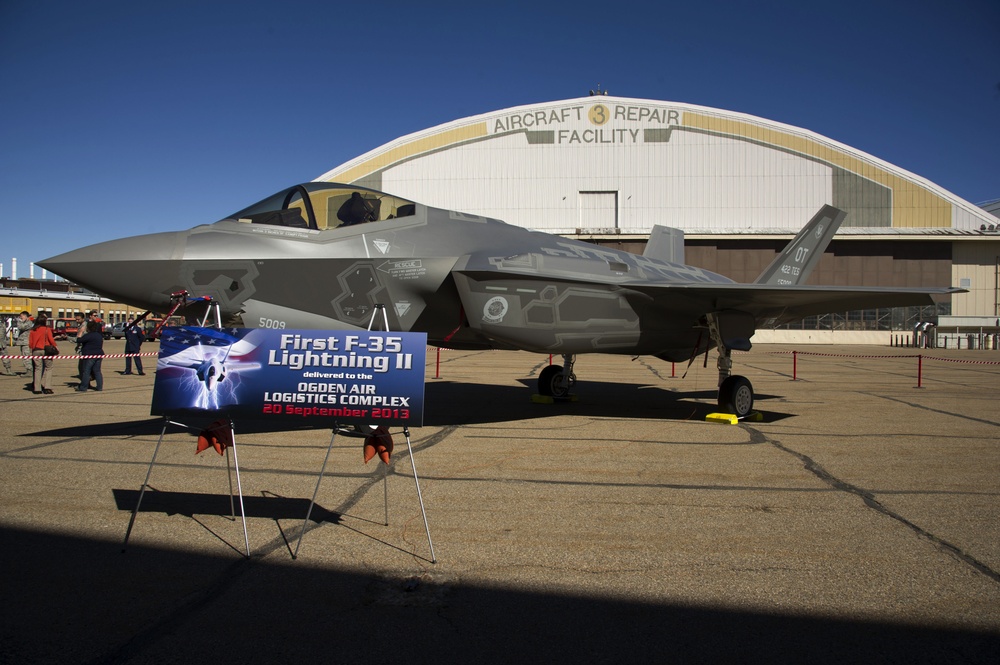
point(323, 205)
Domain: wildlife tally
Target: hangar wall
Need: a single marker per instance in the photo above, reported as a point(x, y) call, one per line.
point(606, 169)
point(977, 268)
point(546, 166)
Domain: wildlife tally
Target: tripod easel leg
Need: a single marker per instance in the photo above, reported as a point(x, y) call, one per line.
point(239, 486)
point(239, 489)
point(145, 484)
point(420, 498)
point(312, 503)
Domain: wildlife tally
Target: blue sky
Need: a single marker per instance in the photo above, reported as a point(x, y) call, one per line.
point(121, 118)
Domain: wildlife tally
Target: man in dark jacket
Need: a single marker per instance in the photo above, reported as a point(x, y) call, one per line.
point(134, 337)
point(91, 343)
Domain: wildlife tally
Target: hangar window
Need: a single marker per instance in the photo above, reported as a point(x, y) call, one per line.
point(322, 206)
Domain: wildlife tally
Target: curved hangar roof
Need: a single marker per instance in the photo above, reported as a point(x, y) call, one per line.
point(619, 165)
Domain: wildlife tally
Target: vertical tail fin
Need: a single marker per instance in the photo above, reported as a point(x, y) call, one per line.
point(665, 244)
point(794, 264)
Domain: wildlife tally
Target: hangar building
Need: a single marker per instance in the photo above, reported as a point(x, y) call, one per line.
point(606, 169)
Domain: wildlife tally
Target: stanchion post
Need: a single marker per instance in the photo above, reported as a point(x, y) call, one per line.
point(920, 371)
point(795, 365)
point(673, 370)
point(437, 364)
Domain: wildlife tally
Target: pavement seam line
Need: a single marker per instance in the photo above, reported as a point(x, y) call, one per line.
point(932, 410)
point(869, 499)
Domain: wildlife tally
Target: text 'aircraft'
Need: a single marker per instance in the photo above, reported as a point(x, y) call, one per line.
point(324, 255)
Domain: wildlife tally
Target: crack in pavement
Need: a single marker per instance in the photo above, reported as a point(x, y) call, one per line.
point(872, 502)
point(932, 410)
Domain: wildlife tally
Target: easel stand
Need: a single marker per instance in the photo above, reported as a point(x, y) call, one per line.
point(385, 492)
point(379, 309)
point(229, 469)
point(212, 308)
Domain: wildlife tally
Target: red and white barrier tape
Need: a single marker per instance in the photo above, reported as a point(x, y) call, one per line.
point(840, 355)
point(830, 355)
point(74, 357)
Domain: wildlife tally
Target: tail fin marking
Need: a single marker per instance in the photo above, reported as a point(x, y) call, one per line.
point(796, 262)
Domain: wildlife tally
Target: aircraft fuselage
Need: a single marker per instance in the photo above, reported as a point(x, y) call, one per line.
point(467, 281)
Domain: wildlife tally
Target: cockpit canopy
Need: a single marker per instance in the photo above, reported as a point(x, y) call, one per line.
point(325, 205)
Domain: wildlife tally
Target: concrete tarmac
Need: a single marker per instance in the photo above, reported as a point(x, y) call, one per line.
point(856, 522)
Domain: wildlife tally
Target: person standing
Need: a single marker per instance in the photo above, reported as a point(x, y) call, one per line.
point(23, 326)
point(81, 325)
point(81, 330)
point(134, 337)
point(91, 343)
point(3, 346)
point(39, 338)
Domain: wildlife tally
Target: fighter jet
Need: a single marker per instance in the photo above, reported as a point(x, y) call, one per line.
point(329, 256)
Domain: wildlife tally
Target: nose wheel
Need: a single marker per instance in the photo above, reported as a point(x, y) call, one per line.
point(557, 380)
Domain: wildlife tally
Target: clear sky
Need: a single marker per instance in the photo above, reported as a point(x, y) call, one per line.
point(126, 117)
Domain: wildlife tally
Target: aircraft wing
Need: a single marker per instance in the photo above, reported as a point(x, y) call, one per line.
point(773, 305)
point(541, 308)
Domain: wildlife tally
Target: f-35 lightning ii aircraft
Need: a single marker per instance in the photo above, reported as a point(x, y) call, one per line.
point(324, 255)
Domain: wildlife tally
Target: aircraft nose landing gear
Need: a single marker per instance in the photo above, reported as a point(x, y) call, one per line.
point(557, 380)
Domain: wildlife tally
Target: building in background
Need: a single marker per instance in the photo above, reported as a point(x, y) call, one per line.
point(606, 169)
point(57, 300)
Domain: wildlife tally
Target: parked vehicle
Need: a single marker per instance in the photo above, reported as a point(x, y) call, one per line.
point(150, 325)
point(153, 322)
point(64, 328)
point(117, 331)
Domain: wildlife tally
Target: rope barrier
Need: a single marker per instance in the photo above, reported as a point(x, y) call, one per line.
point(76, 357)
point(967, 362)
point(920, 361)
point(843, 355)
point(832, 355)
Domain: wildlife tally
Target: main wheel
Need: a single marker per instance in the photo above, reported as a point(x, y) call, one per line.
point(552, 383)
point(736, 396)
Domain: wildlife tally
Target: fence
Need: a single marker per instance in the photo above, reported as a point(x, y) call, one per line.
point(919, 357)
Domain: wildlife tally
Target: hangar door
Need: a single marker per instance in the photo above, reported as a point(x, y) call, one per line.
point(598, 210)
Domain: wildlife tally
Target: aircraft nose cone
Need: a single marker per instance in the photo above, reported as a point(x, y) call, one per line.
point(139, 271)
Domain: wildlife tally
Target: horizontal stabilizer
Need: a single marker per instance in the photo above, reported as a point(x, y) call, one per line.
point(796, 262)
point(665, 244)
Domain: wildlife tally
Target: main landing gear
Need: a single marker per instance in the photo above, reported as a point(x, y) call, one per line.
point(736, 396)
point(735, 392)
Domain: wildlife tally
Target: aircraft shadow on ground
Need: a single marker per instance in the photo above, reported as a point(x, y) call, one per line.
point(170, 605)
point(451, 403)
point(448, 403)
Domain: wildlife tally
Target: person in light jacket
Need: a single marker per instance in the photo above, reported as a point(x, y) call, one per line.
point(22, 328)
point(3, 347)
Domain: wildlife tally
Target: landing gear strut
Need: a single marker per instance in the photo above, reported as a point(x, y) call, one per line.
point(558, 380)
point(735, 392)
